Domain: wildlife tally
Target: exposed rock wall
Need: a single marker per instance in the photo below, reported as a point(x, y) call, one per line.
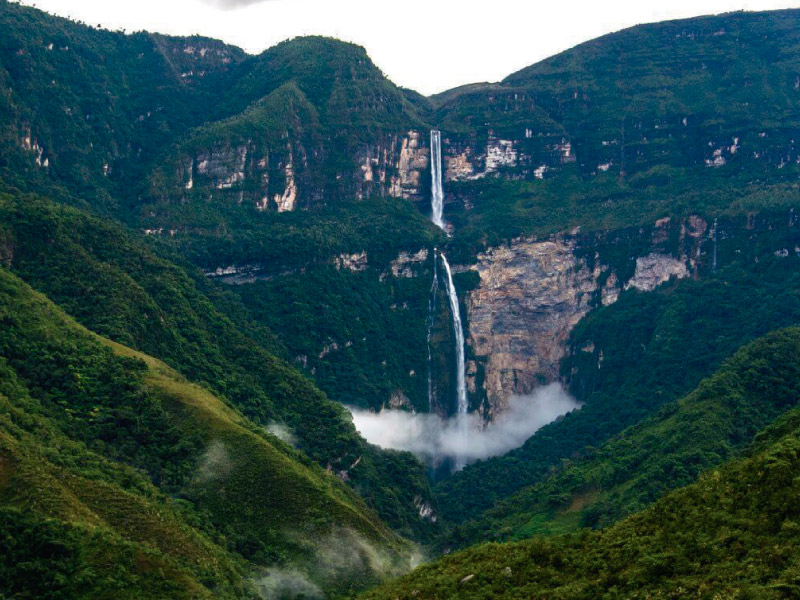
point(531, 295)
point(406, 263)
point(413, 159)
point(523, 156)
point(654, 269)
point(285, 176)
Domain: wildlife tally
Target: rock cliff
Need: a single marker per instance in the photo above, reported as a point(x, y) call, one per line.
point(531, 294)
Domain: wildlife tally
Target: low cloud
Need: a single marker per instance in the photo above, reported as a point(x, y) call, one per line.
point(343, 555)
point(282, 432)
point(234, 4)
point(215, 463)
point(286, 584)
point(464, 438)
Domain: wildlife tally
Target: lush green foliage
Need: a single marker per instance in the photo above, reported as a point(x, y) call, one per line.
point(339, 334)
point(91, 98)
point(656, 347)
point(84, 407)
point(630, 471)
point(109, 457)
point(118, 287)
point(732, 534)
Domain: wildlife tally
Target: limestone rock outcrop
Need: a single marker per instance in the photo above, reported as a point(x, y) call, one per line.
point(531, 294)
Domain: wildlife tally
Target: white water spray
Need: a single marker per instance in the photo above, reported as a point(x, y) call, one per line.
point(455, 310)
point(431, 319)
point(437, 192)
point(714, 260)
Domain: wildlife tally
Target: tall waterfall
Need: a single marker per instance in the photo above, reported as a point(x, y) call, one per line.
point(437, 193)
point(455, 310)
point(714, 260)
point(431, 320)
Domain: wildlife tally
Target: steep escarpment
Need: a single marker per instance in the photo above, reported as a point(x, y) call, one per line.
point(314, 121)
point(711, 92)
point(91, 110)
point(627, 359)
point(531, 294)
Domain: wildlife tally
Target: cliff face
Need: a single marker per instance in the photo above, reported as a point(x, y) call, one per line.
point(284, 174)
point(531, 294)
point(526, 154)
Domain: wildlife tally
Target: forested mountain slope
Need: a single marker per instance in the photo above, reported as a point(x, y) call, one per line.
point(731, 533)
point(109, 445)
point(118, 287)
point(714, 423)
point(250, 236)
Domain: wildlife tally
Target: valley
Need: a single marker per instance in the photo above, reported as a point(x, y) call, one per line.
point(272, 326)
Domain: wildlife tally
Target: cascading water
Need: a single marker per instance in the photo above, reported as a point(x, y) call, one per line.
point(437, 209)
point(714, 260)
point(431, 319)
point(437, 193)
point(463, 404)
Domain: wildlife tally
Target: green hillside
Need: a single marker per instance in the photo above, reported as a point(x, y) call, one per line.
point(116, 285)
point(712, 424)
point(205, 255)
point(731, 534)
point(222, 488)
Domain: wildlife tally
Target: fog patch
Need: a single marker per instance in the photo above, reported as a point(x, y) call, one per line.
point(345, 552)
point(283, 433)
point(339, 558)
point(465, 438)
point(282, 584)
point(215, 463)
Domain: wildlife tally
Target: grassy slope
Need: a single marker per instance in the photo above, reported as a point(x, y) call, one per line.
point(734, 533)
point(115, 285)
point(256, 493)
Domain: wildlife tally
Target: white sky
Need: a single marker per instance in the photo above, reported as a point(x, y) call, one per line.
point(426, 45)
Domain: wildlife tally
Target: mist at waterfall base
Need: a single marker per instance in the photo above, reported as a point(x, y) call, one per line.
point(464, 438)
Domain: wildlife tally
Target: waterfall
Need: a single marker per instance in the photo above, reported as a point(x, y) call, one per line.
point(437, 193)
point(714, 260)
point(431, 320)
point(463, 404)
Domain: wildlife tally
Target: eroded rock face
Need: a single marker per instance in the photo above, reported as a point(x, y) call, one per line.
point(405, 264)
point(288, 199)
point(353, 262)
point(413, 160)
point(654, 269)
point(531, 294)
point(282, 176)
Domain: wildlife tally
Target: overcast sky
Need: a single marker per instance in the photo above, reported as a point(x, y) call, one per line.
point(426, 45)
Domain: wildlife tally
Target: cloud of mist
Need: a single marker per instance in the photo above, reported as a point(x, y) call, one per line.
point(233, 4)
point(342, 555)
point(287, 584)
point(282, 432)
point(215, 463)
point(464, 437)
